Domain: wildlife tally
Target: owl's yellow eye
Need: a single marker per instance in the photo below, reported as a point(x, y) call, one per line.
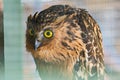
point(48, 33)
point(31, 32)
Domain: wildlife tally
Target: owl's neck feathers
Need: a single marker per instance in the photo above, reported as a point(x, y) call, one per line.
point(54, 64)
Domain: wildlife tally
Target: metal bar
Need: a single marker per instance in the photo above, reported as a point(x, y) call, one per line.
point(1, 47)
point(13, 39)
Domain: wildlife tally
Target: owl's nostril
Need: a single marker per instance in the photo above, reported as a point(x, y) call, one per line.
point(39, 40)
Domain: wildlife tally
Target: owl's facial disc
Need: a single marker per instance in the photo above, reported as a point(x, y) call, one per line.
point(43, 38)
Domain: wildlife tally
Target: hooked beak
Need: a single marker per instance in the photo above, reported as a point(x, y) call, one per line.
point(38, 43)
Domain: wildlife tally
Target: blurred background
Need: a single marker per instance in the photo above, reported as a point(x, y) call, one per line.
point(105, 12)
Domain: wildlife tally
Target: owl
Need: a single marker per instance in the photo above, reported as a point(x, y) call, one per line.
point(66, 44)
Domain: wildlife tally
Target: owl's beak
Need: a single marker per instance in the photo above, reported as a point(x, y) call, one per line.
point(37, 43)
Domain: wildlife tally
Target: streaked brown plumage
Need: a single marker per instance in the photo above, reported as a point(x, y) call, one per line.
point(66, 44)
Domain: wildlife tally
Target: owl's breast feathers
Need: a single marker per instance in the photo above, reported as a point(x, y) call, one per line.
point(76, 50)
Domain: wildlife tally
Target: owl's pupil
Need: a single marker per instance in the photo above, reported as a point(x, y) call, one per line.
point(32, 31)
point(48, 33)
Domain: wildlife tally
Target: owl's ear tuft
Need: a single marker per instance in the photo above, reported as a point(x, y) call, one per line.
point(29, 18)
point(35, 15)
point(32, 18)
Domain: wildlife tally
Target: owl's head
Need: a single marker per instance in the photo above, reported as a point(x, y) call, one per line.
point(42, 27)
point(38, 36)
point(53, 30)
